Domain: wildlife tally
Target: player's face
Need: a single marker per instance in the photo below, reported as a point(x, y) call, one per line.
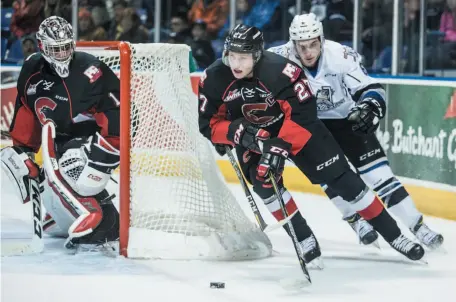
point(61, 52)
point(241, 64)
point(309, 51)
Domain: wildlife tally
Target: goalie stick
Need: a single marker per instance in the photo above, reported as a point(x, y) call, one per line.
point(36, 244)
point(253, 206)
point(291, 283)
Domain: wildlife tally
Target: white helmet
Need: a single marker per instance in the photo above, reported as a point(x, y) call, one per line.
point(306, 27)
point(56, 43)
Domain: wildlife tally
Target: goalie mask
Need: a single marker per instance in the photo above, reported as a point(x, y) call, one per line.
point(56, 43)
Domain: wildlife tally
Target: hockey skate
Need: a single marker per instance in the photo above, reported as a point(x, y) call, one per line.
point(408, 248)
point(106, 248)
point(311, 252)
point(426, 236)
point(366, 233)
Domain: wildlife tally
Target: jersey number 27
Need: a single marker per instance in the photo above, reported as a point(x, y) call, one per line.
point(301, 88)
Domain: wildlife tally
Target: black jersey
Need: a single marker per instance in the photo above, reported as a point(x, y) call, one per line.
point(85, 102)
point(277, 99)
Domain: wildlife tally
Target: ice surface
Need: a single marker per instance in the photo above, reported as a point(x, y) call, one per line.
point(352, 272)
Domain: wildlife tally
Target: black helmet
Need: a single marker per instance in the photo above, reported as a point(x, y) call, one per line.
point(244, 39)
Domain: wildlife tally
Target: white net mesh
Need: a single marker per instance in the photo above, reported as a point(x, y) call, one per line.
point(180, 206)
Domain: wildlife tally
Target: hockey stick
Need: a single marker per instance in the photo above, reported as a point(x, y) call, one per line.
point(290, 283)
point(36, 244)
point(263, 225)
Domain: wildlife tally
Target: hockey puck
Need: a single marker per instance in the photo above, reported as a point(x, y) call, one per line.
point(217, 284)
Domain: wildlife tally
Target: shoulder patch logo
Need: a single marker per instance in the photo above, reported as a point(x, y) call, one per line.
point(93, 73)
point(291, 71)
point(32, 88)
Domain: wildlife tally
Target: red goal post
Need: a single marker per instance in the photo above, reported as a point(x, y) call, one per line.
point(124, 177)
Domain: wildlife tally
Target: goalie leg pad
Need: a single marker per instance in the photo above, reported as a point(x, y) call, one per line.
point(67, 218)
point(107, 230)
point(51, 228)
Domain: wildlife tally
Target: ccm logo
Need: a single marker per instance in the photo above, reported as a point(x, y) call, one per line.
point(36, 208)
point(369, 154)
point(327, 163)
point(94, 177)
point(280, 151)
point(237, 134)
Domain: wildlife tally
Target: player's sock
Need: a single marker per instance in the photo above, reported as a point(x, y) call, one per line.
point(273, 205)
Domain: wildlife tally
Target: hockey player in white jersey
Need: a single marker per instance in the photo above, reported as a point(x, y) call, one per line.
point(351, 104)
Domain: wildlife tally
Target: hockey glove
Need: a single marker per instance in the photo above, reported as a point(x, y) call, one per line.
point(275, 152)
point(243, 133)
point(220, 148)
point(366, 116)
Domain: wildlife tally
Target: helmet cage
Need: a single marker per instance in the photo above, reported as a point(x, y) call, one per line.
point(56, 43)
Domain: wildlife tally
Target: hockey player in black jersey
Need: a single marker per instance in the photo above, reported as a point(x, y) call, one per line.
point(250, 95)
point(79, 95)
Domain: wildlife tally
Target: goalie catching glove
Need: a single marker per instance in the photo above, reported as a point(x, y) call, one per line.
point(86, 164)
point(243, 133)
point(366, 116)
point(275, 153)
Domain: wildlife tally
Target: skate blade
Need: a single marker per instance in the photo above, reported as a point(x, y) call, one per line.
point(294, 284)
point(423, 261)
point(104, 249)
point(437, 250)
point(376, 244)
point(316, 264)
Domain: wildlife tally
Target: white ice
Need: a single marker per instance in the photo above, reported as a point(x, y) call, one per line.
point(352, 272)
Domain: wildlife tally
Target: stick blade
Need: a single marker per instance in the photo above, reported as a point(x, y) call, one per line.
point(18, 247)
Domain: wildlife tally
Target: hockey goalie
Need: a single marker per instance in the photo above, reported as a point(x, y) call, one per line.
point(67, 104)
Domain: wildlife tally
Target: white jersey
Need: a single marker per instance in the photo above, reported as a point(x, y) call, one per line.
point(340, 79)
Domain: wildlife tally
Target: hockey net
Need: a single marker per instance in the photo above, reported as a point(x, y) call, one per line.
point(174, 203)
